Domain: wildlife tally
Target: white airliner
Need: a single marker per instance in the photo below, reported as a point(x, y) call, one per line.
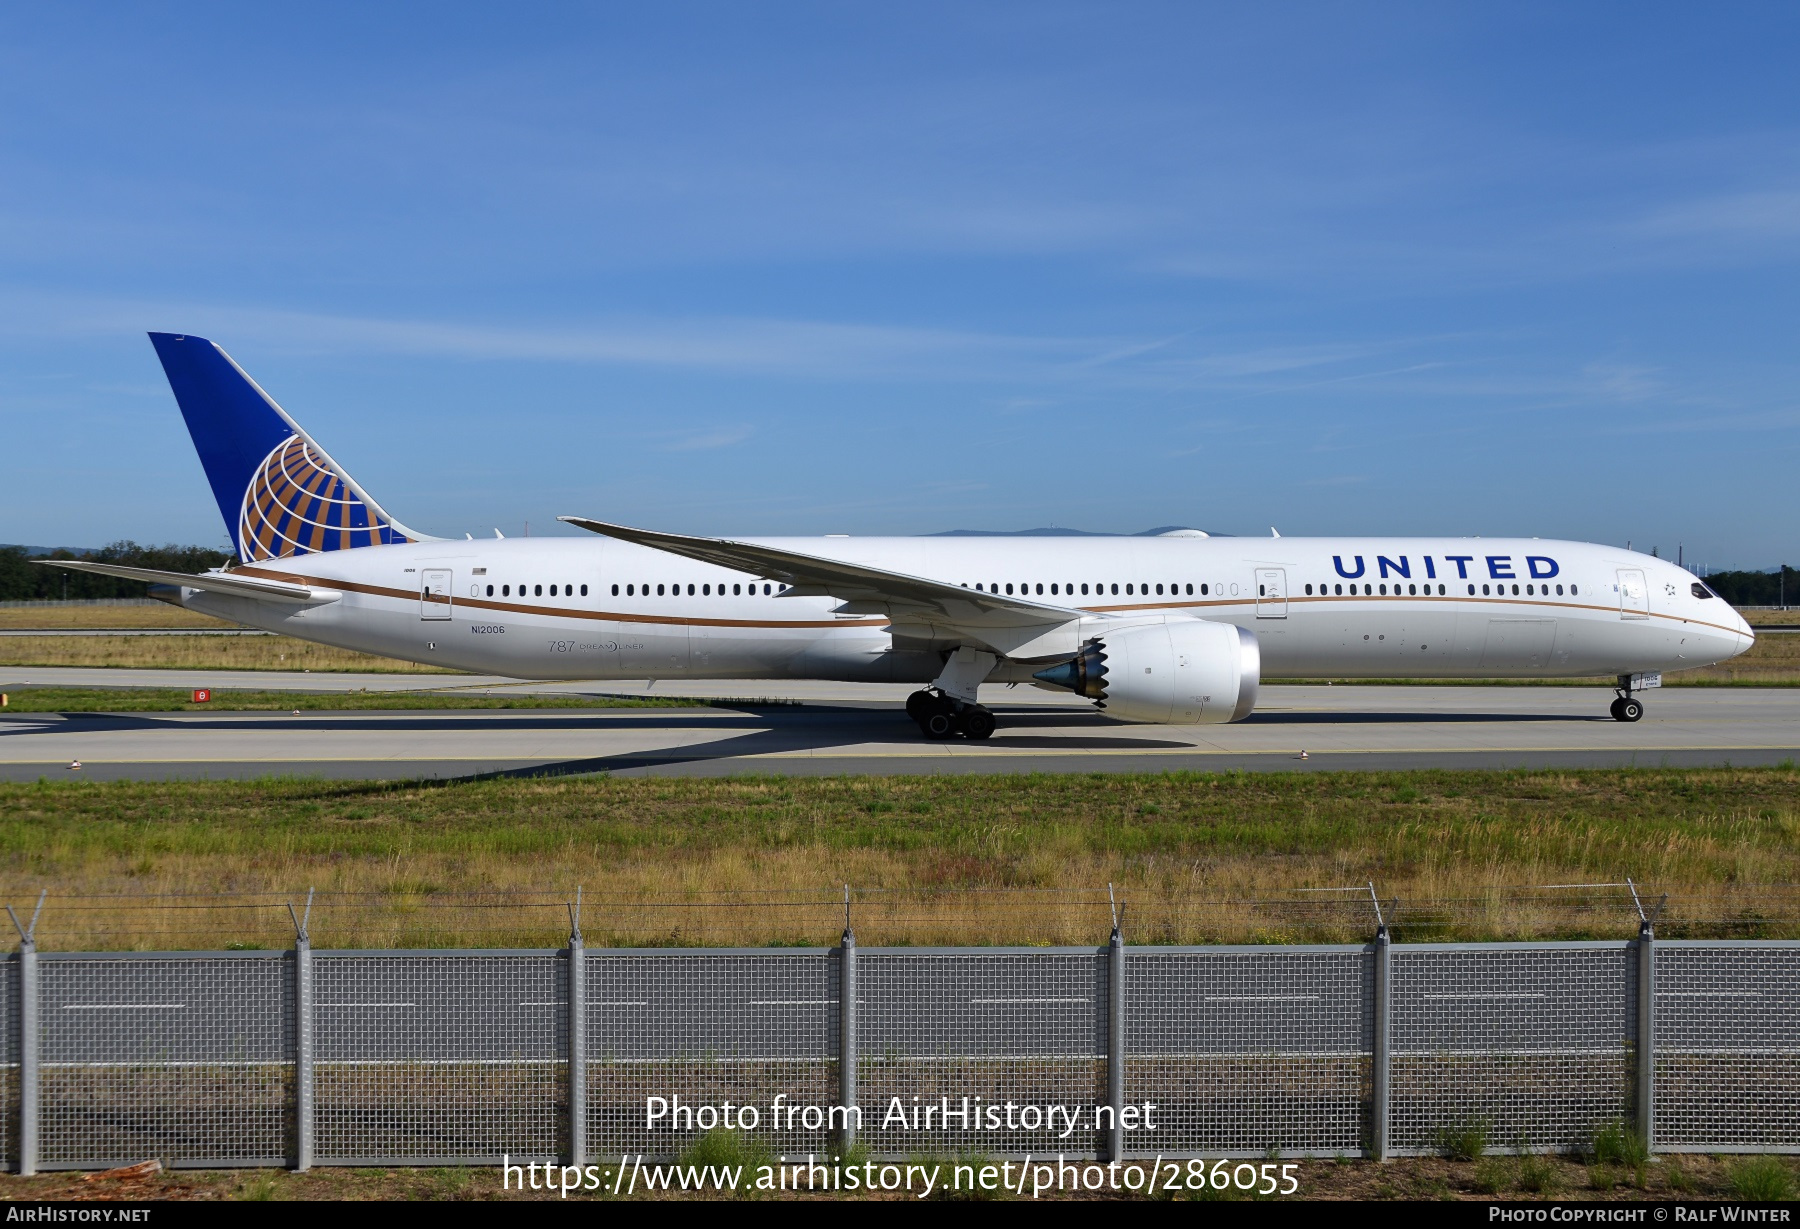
point(1179, 628)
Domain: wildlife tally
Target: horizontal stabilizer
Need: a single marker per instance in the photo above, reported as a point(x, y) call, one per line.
point(211, 582)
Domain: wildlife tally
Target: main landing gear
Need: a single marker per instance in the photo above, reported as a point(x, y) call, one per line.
point(943, 716)
point(1625, 707)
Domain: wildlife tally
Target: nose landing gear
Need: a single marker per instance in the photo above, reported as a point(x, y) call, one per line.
point(941, 716)
point(1626, 707)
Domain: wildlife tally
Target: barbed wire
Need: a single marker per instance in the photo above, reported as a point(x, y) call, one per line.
point(899, 916)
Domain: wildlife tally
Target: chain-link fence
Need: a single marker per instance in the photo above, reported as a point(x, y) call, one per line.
point(307, 1055)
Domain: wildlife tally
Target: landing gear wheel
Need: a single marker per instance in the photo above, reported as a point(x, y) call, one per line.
point(1617, 701)
point(938, 725)
point(1630, 709)
point(979, 724)
point(919, 705)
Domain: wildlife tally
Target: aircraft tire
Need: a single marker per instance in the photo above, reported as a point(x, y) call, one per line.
point(1614, 710)
point(919, 705)
point(979, 724)
point(1630, 709)
point(938, 725)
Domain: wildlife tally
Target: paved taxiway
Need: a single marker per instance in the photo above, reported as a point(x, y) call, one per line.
point(847, 728)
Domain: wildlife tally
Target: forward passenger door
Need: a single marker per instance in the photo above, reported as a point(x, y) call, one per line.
point(1271, 593)
point(1634, 594)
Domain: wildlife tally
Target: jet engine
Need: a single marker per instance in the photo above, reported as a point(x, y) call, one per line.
point(1182, 672)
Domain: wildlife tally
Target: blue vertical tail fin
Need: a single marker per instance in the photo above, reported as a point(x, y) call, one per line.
point(279, 492)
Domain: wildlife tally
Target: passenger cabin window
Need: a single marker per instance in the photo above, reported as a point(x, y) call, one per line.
point(490, 591)
point(615, 591)
point(584, 590)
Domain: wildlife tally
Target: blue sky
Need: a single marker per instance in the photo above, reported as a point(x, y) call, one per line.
point(862, 269)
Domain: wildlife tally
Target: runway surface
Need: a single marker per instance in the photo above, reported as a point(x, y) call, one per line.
point(841, 728)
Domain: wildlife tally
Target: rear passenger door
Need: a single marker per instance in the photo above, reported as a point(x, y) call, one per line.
point(434, 593)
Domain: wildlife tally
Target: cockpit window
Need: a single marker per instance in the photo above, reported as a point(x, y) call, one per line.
point(1700, 591)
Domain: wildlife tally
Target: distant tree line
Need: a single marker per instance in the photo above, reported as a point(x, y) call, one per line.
point(1758, 588)
point(21, 581)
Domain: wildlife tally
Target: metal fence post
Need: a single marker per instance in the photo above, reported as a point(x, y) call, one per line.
point(1115, 1043)
point(303, 1039)
point(28, 1057)
point(1646, 1033)
point(847, 1030)
point(1381, 1057)
point(577, 1038)
point(30, 1038)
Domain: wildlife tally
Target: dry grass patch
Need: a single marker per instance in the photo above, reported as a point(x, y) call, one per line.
point(79, 617)
point(197, 653)
point(759, 860)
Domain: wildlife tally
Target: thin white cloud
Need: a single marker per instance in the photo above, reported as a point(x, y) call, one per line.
point(1755, 216)
point(706, 440)
point(795, 347)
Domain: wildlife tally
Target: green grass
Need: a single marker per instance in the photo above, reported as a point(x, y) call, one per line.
point(180, 700)
point(723, 1148)
point(1463, 1141)
point(1185, 850)
point(1617, 1143)
point(1537, 1173)
point(1762, 1179)
point(1492, 1175)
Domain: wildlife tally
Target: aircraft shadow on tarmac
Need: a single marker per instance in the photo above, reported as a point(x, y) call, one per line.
point(762, 730)
point(783, 728)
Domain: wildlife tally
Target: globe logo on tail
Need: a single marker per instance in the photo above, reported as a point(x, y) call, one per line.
point(297, 503)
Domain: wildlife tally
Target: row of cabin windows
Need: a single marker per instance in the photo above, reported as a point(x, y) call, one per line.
point(702, 590)
point(566, 590)
point(632, 590)
point(1413, 590)
point(1025, 589)
point(1059, 590)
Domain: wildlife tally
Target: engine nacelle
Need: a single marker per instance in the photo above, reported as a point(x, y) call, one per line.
point(1183, 672)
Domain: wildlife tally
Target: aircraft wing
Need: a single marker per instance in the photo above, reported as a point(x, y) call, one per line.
point(212, 582)
point(1013, 627)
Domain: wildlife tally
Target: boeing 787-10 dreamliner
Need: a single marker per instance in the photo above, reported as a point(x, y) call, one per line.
point(1177, 628)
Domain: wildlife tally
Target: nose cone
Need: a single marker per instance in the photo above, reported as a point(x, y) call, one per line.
point(1746, 636)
